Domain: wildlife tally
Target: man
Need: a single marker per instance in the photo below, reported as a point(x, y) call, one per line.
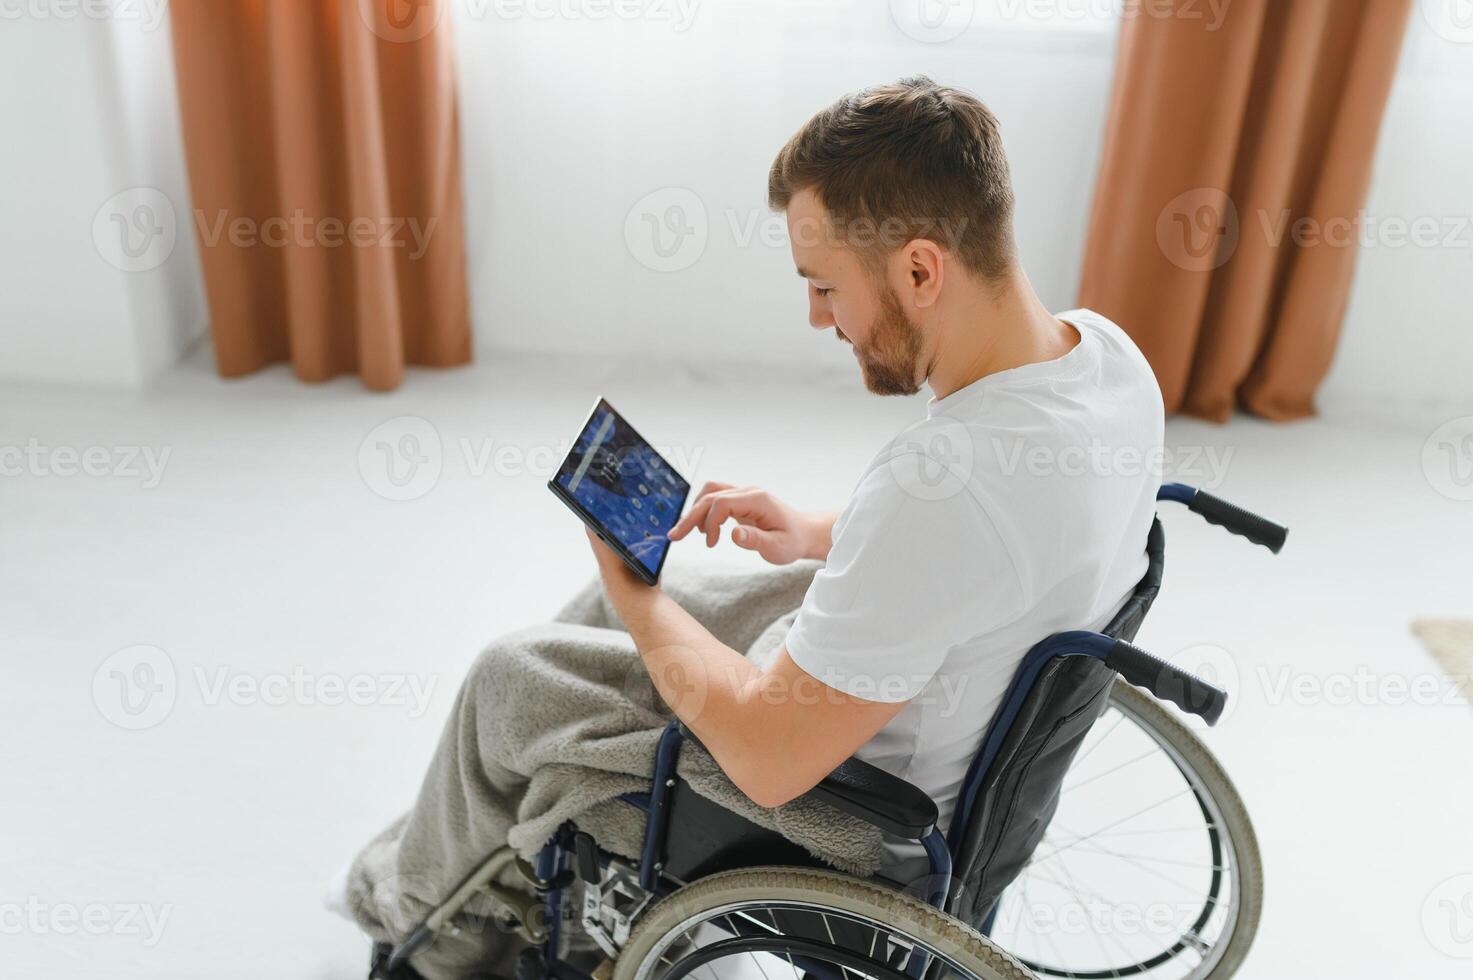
point(1019, 506)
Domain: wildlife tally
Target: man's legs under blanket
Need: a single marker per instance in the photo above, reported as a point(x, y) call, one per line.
point(479, 779)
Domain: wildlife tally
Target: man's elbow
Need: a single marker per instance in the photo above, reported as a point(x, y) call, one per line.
point(769, 787)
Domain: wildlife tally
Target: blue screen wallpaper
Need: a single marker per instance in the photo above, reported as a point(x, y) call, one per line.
point(618, 478)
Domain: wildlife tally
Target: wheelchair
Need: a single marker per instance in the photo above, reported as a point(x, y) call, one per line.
point(1094, 837)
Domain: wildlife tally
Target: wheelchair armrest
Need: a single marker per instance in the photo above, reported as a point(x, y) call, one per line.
point(873, 795)
point(878, 797)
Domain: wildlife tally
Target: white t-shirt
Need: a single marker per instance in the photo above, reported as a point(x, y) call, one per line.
point(1019, 507)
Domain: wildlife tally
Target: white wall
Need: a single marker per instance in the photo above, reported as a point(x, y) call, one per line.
point(1407, 346)
point(568, 123)
point(90, 112)
point(168, 304)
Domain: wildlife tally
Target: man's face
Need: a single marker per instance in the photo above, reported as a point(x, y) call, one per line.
point(863, 309)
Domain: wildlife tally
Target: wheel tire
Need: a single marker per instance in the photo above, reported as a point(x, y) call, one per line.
point(826, 889)
point(1238, 828)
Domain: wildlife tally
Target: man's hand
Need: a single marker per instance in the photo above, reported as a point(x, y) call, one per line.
point(621, 585)
point(765, 524)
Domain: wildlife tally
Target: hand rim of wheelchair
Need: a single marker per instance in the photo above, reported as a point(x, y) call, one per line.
point(1231, 838)
point(940, 939)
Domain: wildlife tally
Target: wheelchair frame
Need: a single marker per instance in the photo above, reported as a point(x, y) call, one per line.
point(571, 852)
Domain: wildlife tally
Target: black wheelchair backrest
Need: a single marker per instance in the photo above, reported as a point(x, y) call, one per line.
point(1019, 792)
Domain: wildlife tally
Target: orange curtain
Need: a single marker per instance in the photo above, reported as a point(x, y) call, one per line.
point(324, 162)
point(1236, 161)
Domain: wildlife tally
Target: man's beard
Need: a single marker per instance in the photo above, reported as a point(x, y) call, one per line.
point(890, 357)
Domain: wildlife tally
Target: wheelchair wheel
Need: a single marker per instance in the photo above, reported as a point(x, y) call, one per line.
point(783, 923)
point(1150, 867)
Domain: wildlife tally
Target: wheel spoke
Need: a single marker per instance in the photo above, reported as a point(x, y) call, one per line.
point(1152, 752)
point(907, 942)
point(1138, 813)
point(1095, 847)
point(1064, 867)
point(1098, 848)
point(1047, 934)
point(1090, 893)
point(1199, 828)
point(1078, 890)
point(1119, 717)
point(1116, 852)
point(777, 930)
point(758, 960)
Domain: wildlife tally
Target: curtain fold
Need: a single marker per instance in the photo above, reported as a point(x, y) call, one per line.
point(324, 162)
point(1227, 210)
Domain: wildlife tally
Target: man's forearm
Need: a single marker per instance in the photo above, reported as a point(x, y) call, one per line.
point(709, 686)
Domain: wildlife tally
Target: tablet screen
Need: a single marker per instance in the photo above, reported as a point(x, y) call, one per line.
point(624, 485)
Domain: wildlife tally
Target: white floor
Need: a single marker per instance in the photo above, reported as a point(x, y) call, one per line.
point(266, 568)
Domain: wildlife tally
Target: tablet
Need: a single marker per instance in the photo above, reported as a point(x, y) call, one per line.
point(623, 489)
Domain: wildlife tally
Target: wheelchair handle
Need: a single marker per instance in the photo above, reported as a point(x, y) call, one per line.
point(1215, 510)
point(1259, 530)
point(1167, 681)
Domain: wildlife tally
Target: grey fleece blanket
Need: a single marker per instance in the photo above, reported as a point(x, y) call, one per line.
point(551, 724)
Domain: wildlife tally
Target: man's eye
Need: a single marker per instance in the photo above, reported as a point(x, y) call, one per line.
point(823, 292)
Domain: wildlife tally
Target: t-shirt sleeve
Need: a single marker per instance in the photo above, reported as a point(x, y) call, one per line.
point(907, 579)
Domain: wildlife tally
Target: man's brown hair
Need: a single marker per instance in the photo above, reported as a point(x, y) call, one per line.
point(908, 160)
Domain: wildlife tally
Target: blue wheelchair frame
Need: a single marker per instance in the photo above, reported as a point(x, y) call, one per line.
point(1135, 665)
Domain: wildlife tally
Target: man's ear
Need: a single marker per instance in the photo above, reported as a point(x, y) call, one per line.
point(925, 270)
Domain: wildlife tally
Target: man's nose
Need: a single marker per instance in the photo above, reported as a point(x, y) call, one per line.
point(820, 317)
